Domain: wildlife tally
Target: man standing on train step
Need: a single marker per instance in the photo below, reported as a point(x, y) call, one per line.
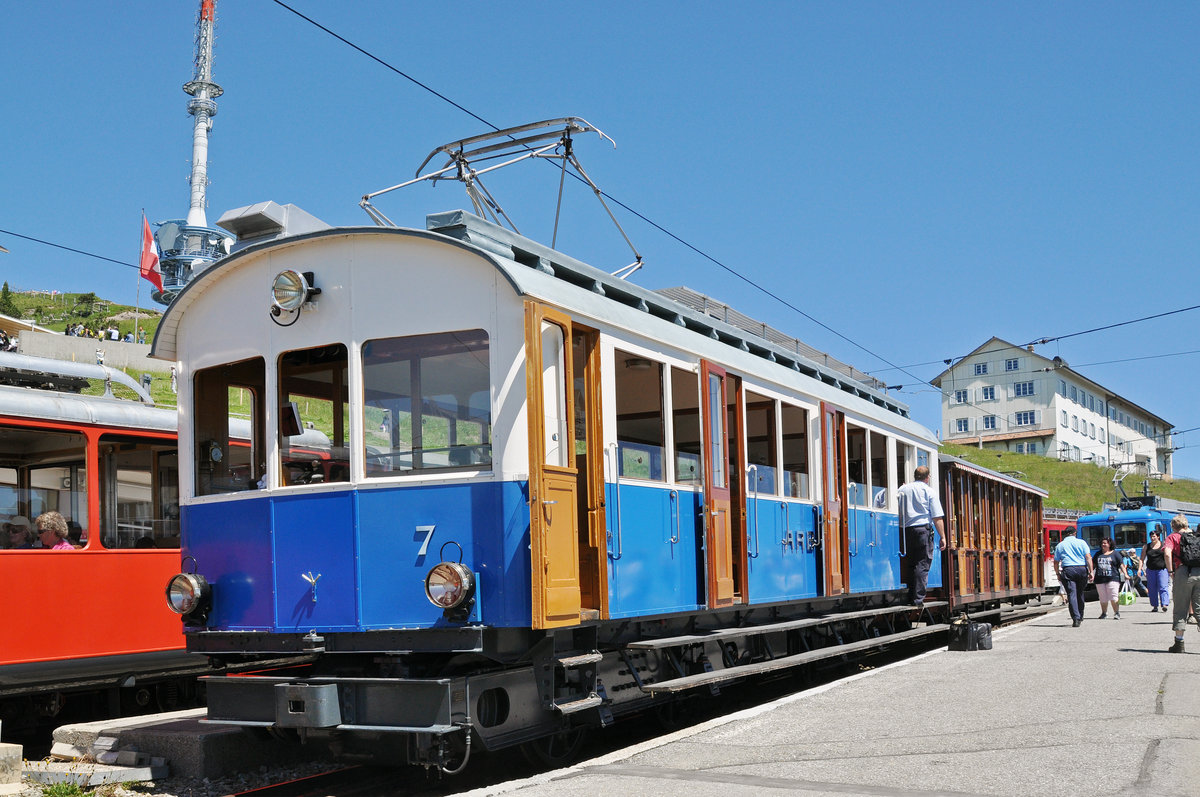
point(921, 517)
point(1074, 568)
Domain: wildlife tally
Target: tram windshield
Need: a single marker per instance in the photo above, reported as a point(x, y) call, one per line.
point(427, 403)
point(223, 396)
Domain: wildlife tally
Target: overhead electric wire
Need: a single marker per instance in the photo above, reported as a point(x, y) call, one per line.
point(605, 194)
point(67, 248)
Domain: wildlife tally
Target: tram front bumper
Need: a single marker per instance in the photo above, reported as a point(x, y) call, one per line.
point(380, 705)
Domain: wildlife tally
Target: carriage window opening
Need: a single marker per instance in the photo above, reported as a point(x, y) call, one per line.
point(427, 403)
point(640, 429)
point(1093, 534)
point(904, 463)
point(879, 470)
point(228, 408)
point(856, 465)
point(44, 471)
point(139, 493)
point(796, 472)
point(760, 444)
point(685, 424)
point(314, 425)
point(922, 458)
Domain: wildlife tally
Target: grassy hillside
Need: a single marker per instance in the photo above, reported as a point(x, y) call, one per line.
point(60, 310)
point(1072, 485)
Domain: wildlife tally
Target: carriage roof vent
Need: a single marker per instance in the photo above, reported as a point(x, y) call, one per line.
point(265, 221)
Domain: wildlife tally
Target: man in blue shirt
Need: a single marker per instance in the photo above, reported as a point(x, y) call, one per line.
point(921, 517)
point(1074, 568)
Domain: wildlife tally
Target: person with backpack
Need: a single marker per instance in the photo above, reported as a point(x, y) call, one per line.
point(1183, 559)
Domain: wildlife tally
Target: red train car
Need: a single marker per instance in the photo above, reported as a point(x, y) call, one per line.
point(87, 632)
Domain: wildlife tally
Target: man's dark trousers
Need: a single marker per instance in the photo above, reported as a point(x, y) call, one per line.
point(1075, 578)
point(918, 545)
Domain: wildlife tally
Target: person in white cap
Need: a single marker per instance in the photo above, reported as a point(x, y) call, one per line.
point(18, 532)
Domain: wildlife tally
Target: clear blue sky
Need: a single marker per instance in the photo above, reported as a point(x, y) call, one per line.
point(916, 176)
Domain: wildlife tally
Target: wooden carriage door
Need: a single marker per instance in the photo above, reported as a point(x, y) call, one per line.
point(553, 509)
point(833, 473)
point(717, 504)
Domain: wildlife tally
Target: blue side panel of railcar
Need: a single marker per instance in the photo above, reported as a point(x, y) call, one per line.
point(315, 558)
point(490, 521)
point(781, 566)
point(231, 545)
point(874, 550)
point(654, 564)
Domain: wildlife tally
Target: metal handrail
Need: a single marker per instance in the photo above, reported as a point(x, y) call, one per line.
point(754, 469)
point(617, 499)
point(675, 514)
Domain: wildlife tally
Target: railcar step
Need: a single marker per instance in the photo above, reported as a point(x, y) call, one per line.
point(729, 673)
point(582, 704)
point(770, 628)
point(578, 661)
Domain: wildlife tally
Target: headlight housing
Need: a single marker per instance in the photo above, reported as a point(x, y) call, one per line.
point(291, 289)
point(449, 585)
point(187, 592)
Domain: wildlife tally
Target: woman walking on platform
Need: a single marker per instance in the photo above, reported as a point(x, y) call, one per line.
point(1154, 564)
point(1110, 572)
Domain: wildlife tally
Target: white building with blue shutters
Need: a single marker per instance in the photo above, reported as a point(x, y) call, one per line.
point(1009, 398)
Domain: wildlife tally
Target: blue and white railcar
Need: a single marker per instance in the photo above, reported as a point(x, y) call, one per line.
point(553, 496)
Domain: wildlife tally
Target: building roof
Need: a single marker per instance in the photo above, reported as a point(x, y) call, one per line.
point(1053, 364)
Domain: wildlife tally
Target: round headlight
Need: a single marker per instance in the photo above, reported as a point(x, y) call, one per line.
point(185, 592)
point(449, 585)
point(290, 290)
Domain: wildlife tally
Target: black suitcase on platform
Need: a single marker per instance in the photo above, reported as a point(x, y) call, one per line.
point(966, 634)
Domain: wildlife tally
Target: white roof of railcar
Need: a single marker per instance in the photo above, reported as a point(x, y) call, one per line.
point(536, 270)
point(47, 405)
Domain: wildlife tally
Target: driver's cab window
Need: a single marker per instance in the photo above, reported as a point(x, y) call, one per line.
point(314, 416)
point(227, 403)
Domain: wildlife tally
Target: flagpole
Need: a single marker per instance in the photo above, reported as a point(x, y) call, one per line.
point(137, 302)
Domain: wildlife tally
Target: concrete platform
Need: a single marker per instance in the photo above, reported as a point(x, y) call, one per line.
point(1051, 710)
point(178, 739)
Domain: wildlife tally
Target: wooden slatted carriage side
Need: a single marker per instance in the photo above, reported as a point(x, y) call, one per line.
point(994, 534)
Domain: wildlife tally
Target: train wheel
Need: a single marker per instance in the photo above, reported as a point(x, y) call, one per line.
point(556, 750)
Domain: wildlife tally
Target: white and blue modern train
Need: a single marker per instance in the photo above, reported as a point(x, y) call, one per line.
point(554, 497)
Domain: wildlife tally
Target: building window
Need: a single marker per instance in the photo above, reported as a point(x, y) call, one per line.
point(1027, 418)
point(1074, 423)
point(1092, 403)
point(1012, 364)
point(1065, 422)
point(1062, 388)
point(962, 425)
point(987, 393)
point(1020, 448)
point(1023, 389)
point(960, 397)
point(1101, 432)
point(981, 369)
point(1031, 448)
point(1074, 394)
point(989, 422)
point(1102, 461)
point(1092, 430)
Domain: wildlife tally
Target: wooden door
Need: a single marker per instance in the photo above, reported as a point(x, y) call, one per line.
point(717, 504)
point(833, 473)
point(553, 502)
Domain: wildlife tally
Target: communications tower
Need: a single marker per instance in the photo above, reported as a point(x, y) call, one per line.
point(188, 246)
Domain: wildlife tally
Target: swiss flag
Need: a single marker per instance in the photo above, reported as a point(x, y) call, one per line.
point(149, 263)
